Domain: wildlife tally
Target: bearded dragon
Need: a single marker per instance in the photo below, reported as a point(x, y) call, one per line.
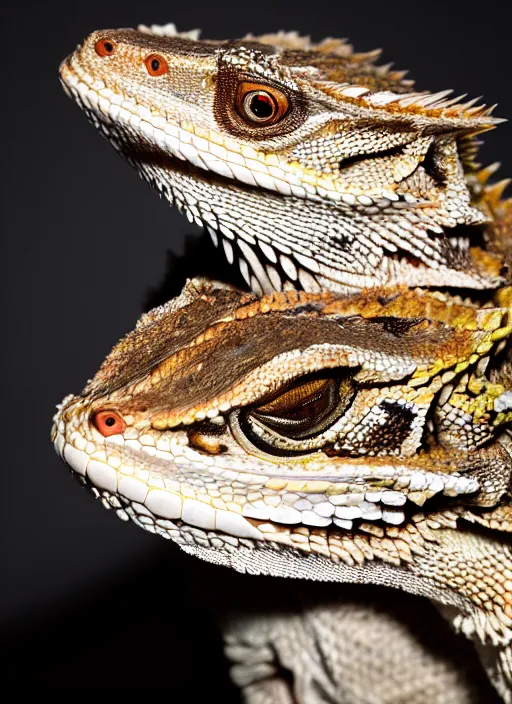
point(312, 166)
point(339, 435)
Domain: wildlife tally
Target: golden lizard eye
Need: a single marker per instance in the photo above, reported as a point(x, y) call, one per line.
point(305, 409)
point(261, 104)
point(105, 47)
point(299, 407)
point(108, 423)
point(156, 65)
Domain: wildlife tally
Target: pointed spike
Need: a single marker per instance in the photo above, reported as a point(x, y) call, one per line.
point(329, 45)
point(331, 41)
point(384, 69)
point(483, 128)
point(452, 102)
point(487, 122)
point(468, 147)
point(400, 75)
point(367, 56)
point(471, 102)
point(475, 111)
point(382, 98)
point(433, 98)
point(500, 186)
point(168, 30)
point(443, 93)
point(283, 40)
point(485, 174)
point(354, 91)
point(495, 190)
point(410, 99)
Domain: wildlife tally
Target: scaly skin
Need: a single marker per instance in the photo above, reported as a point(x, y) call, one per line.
point(329, 435)
point(355, 156)
point(403, 458)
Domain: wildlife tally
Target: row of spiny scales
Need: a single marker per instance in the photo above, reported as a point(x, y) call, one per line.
point(437, 104)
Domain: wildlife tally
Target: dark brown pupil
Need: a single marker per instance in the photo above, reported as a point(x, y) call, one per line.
point(155, 64)
point(108, 47)
point(110, 421)
point(262, 106)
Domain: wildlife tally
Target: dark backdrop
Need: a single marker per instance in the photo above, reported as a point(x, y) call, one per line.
point(84, 244)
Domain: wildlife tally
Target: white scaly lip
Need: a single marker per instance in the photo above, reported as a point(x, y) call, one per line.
point(313, 507)
point(245, 166)
point(155, 502)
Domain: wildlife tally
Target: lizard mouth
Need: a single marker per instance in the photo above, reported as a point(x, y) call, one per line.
point(150, 139)
point(144, 138)
point(226, 192)
point(148, 486)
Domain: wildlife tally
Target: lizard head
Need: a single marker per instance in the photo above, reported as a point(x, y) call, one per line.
point(298, 421)
point(290, 152)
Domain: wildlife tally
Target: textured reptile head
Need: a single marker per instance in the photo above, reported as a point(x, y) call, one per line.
point(261, 432)
point(290, 153)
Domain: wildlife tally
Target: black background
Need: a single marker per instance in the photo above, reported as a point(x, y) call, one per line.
point(84, 243)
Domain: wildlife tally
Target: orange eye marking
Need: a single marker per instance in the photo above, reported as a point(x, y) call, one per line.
point(108, 423)
point(105, 47)
point(156, 65)
point(261, 104)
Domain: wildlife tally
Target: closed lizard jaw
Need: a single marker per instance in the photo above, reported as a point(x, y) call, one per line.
point(168, 126)
point(165, 485)
point(237, 465)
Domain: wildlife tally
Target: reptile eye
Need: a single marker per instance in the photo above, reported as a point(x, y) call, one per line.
point(298, 419)
point(156, 65)
point(305, 409)
point(108, 423)
point(260, 104)
point(105, 47)
point(298, 410)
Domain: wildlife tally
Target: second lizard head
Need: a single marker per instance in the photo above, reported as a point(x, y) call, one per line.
point(311, 165)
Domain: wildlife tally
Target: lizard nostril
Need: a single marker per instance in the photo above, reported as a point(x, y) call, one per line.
point(156, 65)
point(108, 422)
point(105, 47)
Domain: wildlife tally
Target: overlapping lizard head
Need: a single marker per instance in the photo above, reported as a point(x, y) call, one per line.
point(290, 152)
point(344, 432)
